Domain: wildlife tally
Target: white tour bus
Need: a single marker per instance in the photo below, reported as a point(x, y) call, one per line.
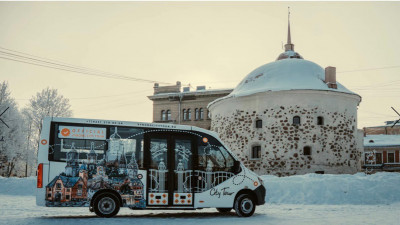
point(105, 165)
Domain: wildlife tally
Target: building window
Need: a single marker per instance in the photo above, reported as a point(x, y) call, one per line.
point(196, 113)
point(184, 114)
point(307, 150)
point(189, 114)
point(58, 185)
point(201, 113)
point(163, 116)
point(320, 120)
point(49, 189)
point(390, 157)
point(80, 186)
point(378, 158)
point(258, 123)
point(49, 195)
point(168, 114)
point(296, 120)
point(256, 152)
point(67, 197)
point(68, 189)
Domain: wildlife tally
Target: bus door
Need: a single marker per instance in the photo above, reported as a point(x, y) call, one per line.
point(170, 173)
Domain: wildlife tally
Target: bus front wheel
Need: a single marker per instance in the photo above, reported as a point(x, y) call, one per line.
point(244, 205)
point(106, 205)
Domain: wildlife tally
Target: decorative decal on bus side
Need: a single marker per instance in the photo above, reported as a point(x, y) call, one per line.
point(77, 185)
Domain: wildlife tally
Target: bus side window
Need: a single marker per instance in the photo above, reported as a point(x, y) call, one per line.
point(126, 142)
point(213, 156)
point(61, 146)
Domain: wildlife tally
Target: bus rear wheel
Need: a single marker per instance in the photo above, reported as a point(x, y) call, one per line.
point(224, 210)
point(244, 205)
point(106, 205)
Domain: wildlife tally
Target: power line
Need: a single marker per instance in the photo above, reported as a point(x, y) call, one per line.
point(96, 97)
point(54, 64)
point(378, 68)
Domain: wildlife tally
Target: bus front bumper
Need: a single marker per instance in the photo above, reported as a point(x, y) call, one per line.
point(260, 193)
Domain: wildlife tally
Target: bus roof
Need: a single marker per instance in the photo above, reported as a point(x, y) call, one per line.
point(131, 124)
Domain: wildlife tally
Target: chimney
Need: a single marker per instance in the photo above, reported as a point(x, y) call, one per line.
point(330, 77)
point(156, 85)
point(201, 88)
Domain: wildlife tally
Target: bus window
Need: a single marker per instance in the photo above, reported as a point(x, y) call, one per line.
point(67, 138)
point(158, 165)
point(213, 156)
point(126, 142)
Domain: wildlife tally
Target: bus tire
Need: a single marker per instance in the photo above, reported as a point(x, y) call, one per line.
point(244, 205)
point(224, 210)
point(106, 205)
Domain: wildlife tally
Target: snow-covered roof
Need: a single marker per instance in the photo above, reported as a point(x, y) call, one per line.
point(285, 74)
point(197, 93)
point(381, 140)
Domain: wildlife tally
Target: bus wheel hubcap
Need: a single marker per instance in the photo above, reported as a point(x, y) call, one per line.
point(106, 205)
point(247, 205)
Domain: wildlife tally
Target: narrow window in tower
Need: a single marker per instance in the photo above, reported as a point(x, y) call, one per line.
point(168, 114)
point(296, 120)
point(258, 123)
point(196, 113)
point(307, 150)
point(320, 120)
point(256, 152)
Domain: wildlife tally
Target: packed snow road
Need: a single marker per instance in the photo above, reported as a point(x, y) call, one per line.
point(23, 210)
point(303, 199)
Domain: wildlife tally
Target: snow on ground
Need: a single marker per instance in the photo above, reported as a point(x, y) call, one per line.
point(379, 188)
point(305, 199)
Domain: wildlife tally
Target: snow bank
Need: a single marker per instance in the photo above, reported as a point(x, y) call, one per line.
point(379, 188)
point(17, 186)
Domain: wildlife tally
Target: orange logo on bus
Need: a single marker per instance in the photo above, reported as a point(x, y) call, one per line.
point(43, 141)
point(65, 132)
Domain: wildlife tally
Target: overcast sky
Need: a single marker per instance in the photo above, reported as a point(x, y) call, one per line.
point(202, 43)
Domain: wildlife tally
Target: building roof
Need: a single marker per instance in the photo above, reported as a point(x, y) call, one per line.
point(286, 74)
point(289, 72)
point(68, 182)
point(381, 140)
point(191, 93)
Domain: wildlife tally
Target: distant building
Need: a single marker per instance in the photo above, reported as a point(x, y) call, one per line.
point(387, 129)
point(382, 152)
point(173, 105)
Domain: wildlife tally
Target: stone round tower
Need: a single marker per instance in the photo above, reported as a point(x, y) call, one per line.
point(291, 117)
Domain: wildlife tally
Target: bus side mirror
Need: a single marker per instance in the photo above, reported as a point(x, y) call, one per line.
point(236, 167)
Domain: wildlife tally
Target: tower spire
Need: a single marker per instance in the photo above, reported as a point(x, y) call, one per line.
point(289, 41)
point(289, 46)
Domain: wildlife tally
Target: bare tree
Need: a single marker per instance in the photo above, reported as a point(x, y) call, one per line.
point(48, 102)
point(11, 133)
